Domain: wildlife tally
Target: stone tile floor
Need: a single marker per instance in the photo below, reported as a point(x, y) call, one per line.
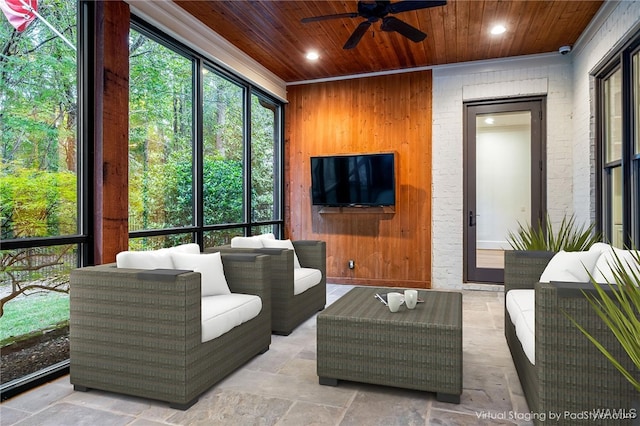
point(281, 388)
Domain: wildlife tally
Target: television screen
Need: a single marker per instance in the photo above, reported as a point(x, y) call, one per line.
point(353, 180)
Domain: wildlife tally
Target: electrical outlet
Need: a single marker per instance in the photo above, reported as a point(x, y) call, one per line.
point(352, 264)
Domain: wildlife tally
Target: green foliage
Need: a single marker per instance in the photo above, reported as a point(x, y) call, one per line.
point(160, 135)
point(38, 117)
point(263, 125)
point(36, 312)
point(37, 203)
point(569, 237)
point(222, 191)
point(161, 185)
point(619, 309)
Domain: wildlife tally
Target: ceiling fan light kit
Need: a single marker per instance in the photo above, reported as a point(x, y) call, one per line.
point(374, 11)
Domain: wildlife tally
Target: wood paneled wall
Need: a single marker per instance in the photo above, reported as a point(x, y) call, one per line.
point(367, 115)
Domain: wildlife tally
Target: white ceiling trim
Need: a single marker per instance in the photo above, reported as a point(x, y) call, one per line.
point(485, 65)
point(184, 27)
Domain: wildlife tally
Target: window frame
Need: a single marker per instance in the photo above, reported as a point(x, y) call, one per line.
point(83, 238)
point(198, 229)
point(621, 60)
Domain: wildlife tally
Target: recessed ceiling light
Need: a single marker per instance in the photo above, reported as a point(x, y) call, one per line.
point(312, 55)
point(489, 120)
point(498, 29)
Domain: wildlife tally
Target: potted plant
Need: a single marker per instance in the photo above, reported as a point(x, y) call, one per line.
point(533, 248)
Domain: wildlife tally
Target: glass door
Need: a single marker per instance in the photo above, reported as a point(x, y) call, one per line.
point(503, 181)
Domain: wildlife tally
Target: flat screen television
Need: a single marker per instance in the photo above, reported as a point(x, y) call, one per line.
point(353, 180)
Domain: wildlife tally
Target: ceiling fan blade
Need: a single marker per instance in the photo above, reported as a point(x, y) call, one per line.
point(391, 23)
point(327, 17)
point(357, 35)
point(406, 6)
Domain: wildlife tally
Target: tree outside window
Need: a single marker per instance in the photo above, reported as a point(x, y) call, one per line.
point(38, 187)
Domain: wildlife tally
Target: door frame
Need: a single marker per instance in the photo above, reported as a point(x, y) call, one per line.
point(537, 106)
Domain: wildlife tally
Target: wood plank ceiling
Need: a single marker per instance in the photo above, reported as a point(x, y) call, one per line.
point(270, 31)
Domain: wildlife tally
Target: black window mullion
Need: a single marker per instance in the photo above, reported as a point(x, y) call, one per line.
point(629, 163)
point(627, 146)
point(198, 153)
point(85, 131)
point(247, 139)
point(199, 226)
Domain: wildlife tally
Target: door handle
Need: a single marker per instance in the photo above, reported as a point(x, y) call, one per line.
point(472, 222)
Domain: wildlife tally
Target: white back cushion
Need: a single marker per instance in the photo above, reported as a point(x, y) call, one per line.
point(600, 247)
point(603, 271)
point(571, 266)
point(185, 248)
point(152, 259)
point(213, 281)
point(267, 236)
point(246, 242)
point(285, 244)
point(254, 241)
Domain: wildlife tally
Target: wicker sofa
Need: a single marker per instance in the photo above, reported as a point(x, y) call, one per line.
point(570, 375)
point(289, 310)
point(138, 332)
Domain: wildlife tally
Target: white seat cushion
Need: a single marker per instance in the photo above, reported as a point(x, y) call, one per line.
point(213, 282)
point(526, 332)
point(518, 301)
point(304, 279)
point(521, 306)
point(223, 312)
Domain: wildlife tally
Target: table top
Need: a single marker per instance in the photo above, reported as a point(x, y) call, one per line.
point(440, 308)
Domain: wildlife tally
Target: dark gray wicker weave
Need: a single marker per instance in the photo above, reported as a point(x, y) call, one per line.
point(359, 339)
point(571, 376)
point(521, 271)
point(289, 311)
point(138, 332)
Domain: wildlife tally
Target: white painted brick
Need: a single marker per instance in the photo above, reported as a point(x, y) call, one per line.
point(566, 82)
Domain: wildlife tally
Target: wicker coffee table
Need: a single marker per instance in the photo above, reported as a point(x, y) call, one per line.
point(360, 340)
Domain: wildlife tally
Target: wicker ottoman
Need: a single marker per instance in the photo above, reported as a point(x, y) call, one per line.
point(359, 339)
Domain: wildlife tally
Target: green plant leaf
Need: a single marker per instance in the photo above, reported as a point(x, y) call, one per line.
point(619, 309)
point(569, 237)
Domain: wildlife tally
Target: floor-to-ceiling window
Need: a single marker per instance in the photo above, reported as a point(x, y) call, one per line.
point(43, 236)
point(161, 152)
point(619, 146)
point(204, 150)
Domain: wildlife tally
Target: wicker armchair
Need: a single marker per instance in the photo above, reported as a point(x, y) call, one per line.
point(570, 374)
point(289, 310)
point(138, 332)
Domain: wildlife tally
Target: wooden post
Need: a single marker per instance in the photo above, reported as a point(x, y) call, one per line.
point(111, 129)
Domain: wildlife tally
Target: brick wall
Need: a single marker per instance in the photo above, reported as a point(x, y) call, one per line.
point(566, 82)
point(616, 26)
point(548, 75)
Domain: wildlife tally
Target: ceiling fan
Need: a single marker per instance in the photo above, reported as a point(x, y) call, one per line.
point(374, 11)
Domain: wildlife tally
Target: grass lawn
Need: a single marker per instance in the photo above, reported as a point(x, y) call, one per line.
point(27, 314)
